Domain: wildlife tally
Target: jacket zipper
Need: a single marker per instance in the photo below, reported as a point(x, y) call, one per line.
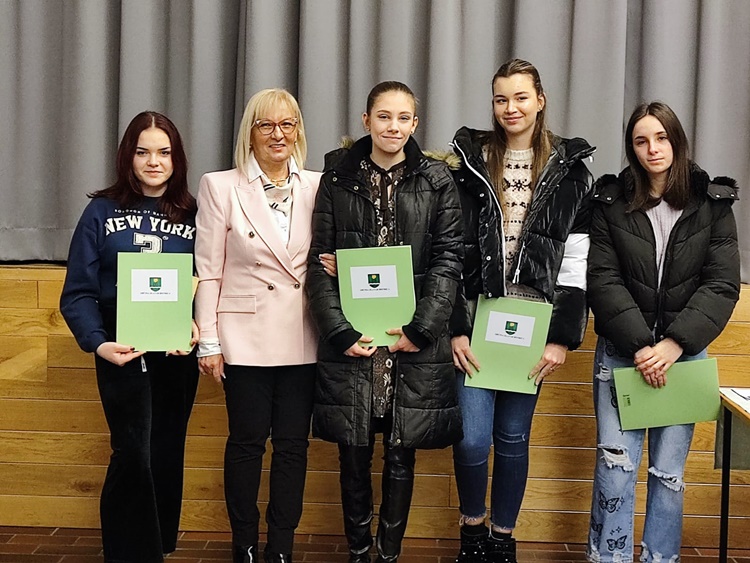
point(659, 324)
point(517, 273)
point(499, 208)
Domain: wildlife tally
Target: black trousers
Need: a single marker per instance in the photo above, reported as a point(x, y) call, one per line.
point(262, 402)
point(147, 410)
point(356, 493)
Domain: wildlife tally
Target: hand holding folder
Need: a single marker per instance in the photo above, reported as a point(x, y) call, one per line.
point(692, 395)
point(154, 300)
point(508, 340)
point(376, 288)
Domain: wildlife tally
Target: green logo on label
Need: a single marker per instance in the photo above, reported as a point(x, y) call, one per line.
point(511, 327)
point(154, 284)
point(373, 280)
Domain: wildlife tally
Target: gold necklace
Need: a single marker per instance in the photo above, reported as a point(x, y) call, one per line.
point(278, 183)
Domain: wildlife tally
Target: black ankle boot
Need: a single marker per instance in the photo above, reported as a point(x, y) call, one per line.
point(271, 557)
point(473, 542)
point(359, 557)
point(500, 550)
point(245, 554)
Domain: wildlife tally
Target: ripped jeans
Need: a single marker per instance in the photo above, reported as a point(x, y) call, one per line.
point(618, 458)
point(492, 417)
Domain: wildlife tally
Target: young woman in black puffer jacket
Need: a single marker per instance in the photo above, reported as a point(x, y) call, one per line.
point(384, 191)
point(525, 195)
point(664, 276)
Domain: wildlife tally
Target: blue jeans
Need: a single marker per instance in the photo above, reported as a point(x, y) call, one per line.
point(618, 458)
point(491, 417)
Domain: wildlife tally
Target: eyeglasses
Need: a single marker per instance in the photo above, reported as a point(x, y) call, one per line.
point(266, 126)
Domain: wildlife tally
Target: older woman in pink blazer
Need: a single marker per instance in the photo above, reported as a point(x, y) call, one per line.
point(257, 337)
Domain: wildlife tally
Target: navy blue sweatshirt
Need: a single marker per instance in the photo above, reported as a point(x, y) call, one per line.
point(89, 295)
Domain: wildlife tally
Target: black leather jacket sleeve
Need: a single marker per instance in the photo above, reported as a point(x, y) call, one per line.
point(569, 307)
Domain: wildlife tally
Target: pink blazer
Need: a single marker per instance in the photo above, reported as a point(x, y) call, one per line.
point(251, 294)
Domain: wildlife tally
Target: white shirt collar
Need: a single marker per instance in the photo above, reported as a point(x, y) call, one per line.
point(254, 172)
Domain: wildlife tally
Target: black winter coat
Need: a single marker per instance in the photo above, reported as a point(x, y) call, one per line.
point(701, 272)
point(554, 235)
point(428, 217)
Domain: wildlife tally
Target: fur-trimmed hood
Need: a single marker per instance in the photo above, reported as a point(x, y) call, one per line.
point(449, 158)
point(610, 187)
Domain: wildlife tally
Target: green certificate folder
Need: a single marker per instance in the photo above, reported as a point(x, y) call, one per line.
point(508, 340)
point(690, 395)
point(376, 286)
point(154, 300)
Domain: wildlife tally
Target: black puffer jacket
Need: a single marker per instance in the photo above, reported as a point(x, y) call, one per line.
point(428, 217)
point(554, 240)
point(701, 272)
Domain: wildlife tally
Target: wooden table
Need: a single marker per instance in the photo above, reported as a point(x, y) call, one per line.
point(730, 403)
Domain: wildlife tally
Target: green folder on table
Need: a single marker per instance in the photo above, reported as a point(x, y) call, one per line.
point(376, 286)
point(154, 300)
point(690, 395)
point(508, 340)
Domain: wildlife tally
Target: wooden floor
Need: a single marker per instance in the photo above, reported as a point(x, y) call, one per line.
point(68, 545)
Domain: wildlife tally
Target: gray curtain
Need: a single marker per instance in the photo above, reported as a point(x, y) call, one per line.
point(74, 72)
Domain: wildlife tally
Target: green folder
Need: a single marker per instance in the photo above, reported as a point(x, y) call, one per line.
point(376, 286)
point(690, 395)
point(154, 300)
point(508, 340)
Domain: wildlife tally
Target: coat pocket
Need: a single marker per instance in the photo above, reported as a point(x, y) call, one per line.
point(236, 304)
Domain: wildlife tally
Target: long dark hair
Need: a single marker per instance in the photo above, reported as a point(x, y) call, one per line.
point(498, 141)
point(176, 202)
point(677, 190)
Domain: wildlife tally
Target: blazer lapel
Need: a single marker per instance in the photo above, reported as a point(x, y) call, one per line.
point(254, 205)
point(300, 229)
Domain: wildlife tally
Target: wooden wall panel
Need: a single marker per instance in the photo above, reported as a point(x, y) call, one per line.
point(54, 445)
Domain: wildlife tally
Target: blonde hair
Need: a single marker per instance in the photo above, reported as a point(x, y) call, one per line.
point(256, 109)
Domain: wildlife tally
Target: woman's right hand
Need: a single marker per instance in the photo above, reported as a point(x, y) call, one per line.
point(213, 366)
point(328, 261)
point(463, 357)
point(118, 354)
point(357, 350)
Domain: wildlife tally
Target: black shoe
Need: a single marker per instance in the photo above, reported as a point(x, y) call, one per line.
point(271, 557)
point(245, 554)
point(500, 551)
point(359, 557)
point(472, 547)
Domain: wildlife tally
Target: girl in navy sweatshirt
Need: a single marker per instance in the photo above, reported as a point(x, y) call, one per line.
point(147, 397)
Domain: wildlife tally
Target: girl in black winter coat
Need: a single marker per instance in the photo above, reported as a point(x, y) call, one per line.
point(383, 191)
point(663, 280)
point(525, 199)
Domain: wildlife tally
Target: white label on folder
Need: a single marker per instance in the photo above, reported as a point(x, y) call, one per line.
point(369, 282)
point(507, 328)
point(154, 285)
